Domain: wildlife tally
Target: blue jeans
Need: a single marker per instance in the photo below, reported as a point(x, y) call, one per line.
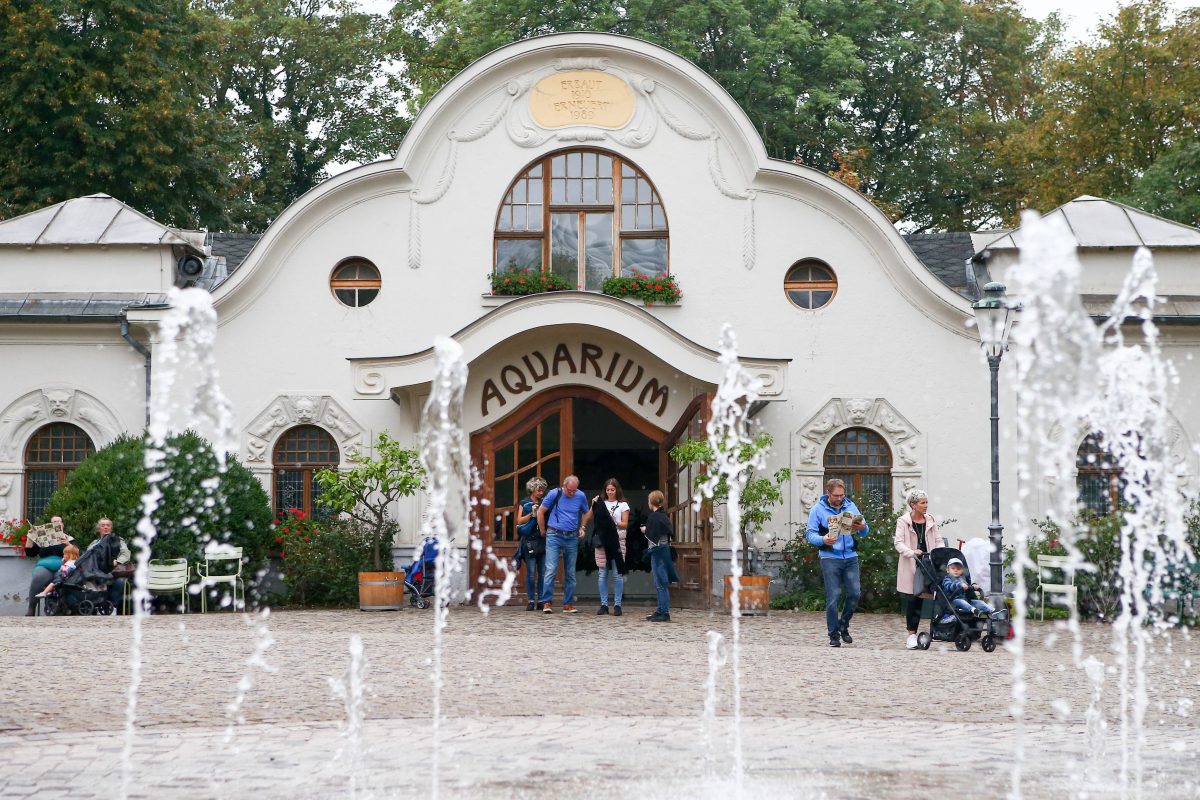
point(971, 606)
point(535, 570)
point(568, 545)
point(840, 574)
point(662, 568)
point(618, 581)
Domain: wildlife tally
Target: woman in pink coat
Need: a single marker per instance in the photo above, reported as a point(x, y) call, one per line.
point(916, 535)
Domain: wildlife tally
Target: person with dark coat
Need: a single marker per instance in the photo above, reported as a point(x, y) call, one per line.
point(659, 533)
point(610, 520)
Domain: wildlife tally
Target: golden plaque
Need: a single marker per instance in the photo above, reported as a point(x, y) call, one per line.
point(581, 97)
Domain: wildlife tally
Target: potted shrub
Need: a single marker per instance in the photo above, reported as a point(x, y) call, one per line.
point(366, 493)
point(761, 495)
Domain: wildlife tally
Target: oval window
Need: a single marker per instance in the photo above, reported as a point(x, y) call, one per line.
point(810, 284)
point(355, 282)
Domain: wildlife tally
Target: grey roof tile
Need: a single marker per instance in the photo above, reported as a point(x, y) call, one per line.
point(946, 256)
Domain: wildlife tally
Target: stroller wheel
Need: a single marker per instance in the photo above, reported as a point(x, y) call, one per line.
point(421, 602)
point(923, 640)
point(988, 643)
point(105, 608)
point(963, 642)
point(86, 608)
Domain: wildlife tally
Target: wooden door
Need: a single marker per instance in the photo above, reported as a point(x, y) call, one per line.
point(534, 443)
point(693, 529)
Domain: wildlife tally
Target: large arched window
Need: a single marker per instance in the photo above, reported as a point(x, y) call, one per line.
point(299, 454)
point(52, 452)
point(862, 459)
point(1098, 477)
point(585, 215)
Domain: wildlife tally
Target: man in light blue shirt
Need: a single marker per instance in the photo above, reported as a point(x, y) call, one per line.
point(839, 556)
point(561, 518)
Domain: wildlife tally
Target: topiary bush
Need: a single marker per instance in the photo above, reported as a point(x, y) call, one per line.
point(200, 504)
point(320, 558)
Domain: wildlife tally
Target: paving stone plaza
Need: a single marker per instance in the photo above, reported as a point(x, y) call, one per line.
point(562, 707)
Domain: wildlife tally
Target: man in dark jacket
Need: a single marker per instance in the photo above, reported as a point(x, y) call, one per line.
point(839, 555)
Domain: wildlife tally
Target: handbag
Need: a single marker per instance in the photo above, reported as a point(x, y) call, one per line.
point(123, 570)
point(533, 546)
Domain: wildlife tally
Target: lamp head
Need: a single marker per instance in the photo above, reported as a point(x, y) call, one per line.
point(994, 316)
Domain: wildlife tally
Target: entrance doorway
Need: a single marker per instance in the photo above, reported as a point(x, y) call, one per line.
point(585, 432)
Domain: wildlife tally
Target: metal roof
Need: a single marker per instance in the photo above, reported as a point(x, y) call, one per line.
point(69, 306)
point(1096, 222)
point(95, 219)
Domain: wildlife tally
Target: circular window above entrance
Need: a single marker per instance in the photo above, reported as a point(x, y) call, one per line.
point(355, 282)
point(810, 284)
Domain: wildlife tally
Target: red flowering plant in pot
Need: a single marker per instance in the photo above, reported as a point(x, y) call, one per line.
point(514, 282)
point(650, 289)
point(13, 533)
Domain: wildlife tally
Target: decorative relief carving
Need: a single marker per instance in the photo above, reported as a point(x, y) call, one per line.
point(300, 409)
point(5, 487)
point(810, 493)
point(368, 380)
point(54, 404)
point(808, 442)
point(857, 411)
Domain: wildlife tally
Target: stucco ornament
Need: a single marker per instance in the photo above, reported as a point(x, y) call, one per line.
point(511, 105)
point(810, 493)
point(286, 411)
point(5, 487)
point(857, 411)
point(55, 403)
point(58, 402)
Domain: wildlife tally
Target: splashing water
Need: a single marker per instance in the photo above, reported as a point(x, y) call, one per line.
point(257, 662)
point(717, 658)
point(445, 455)
point(350, 690)
point(1064, 362)
point(728, 438)
point(187, 336)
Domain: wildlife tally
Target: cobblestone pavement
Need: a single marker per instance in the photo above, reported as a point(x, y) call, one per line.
point(557, 706)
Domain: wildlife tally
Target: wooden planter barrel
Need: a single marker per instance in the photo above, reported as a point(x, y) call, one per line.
point(753, 594)
point(380, 591)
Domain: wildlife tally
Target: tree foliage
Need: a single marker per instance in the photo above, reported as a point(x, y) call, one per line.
point(367, 491)
point(110, 483)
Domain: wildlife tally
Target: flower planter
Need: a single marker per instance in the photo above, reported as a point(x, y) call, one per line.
point(380, 591)
point(753, 594)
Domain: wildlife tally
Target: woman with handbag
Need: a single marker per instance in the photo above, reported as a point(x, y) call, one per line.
point(916, 534)
point(610, 522)
point(530, 542)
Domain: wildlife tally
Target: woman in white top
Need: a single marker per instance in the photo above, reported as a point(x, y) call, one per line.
point(614, 503)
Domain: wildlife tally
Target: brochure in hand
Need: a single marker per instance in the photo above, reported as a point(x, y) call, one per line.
point(844, 522)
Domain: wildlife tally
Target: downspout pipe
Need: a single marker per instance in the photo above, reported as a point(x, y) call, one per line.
point(141, 348)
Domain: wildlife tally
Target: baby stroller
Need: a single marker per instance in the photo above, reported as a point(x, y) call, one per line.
point(85, 590)
point(419, 578)
point(949, 624)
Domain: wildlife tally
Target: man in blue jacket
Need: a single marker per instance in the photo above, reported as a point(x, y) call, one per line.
point(839, 555)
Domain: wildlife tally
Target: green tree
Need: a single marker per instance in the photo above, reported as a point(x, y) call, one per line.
point(109, 96)
point(1170, 187)
point(110, 483)
point(305, 83)
point(367, 491)
point(760, 495)
point(1111, 108)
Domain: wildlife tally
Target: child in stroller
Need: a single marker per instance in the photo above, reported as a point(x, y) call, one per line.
point(963, 594)
point(951, 621)
point(419, 578)
point(85, 589)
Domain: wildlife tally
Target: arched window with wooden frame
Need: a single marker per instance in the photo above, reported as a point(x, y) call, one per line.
point(810, 284)
point(355, 282)
point(585, 215)
point(1098, 478)
point(863, 460)
point(299, 454)
point(53, 451)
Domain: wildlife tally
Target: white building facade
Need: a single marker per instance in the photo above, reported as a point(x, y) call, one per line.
point(587, 156)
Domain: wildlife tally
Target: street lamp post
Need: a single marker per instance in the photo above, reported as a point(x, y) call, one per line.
point(994, 317)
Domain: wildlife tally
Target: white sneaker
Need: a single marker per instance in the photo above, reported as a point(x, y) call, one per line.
point(912, 641)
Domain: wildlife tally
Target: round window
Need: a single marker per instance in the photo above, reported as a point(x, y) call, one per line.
point(355, 282)
point(810, 284)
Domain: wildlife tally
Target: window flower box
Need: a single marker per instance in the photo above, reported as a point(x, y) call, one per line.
point(652, 290)
point(523, 281)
